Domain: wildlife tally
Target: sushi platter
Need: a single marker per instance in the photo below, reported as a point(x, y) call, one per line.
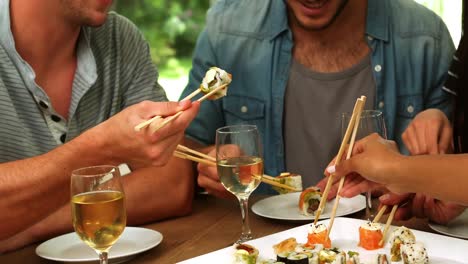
point(345, 236)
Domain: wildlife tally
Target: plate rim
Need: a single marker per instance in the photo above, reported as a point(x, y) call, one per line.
point(286, 218)
point(158, 235)
point(439, 228)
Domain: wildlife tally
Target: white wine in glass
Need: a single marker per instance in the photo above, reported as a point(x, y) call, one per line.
point(240, 166)
point(98, 207)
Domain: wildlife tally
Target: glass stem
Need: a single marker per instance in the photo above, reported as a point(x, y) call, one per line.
point(244, 206)
point(103, 257)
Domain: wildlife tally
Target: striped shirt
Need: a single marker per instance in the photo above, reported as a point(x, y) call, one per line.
point(114, 70)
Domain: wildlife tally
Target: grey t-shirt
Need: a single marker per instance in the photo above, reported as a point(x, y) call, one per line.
point(314, 103)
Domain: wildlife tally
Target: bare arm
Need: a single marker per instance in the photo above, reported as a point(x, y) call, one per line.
point(377, 160)
point(152, 194)
point(31, 189)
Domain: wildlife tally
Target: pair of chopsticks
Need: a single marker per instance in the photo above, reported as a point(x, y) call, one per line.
point(389, 220)
point(193, 155)
point(351, 129)
point(171, 118)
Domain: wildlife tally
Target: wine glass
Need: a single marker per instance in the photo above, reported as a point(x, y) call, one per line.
point(240, 166)
point(371, 121)
point(98, 207)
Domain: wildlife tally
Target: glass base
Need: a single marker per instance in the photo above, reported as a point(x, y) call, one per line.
point(244, 238)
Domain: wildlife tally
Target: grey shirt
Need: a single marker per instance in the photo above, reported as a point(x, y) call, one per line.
point(114, 70)
point(314, 103)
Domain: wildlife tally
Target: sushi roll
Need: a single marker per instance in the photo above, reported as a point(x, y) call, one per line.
point(283, 256)
point(414, 253)
point(332, 256)
point(370, 235)
point(353, 258)
point(245, 254)
point(292, 180)
point(318, 234)
point(287, 245)
point(214, 78)
point(309, 200)
point(271, 261)
point(401, 235)
point(381, 259)
point(297, 258)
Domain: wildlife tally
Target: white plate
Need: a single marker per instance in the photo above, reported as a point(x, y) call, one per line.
point(458, 227)
point(70, 248)
point(286, 207)
point(344, 235)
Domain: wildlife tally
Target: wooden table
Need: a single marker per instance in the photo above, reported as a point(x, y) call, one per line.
point(213, 224)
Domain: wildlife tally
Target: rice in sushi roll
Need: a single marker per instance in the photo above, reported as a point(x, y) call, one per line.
point(332, 256)
point(214, 78)
point(290, 179)
point(401, 235)
point(414, 253)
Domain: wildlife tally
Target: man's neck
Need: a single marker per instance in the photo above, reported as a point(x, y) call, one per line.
point(42, 35)
point(336, 47)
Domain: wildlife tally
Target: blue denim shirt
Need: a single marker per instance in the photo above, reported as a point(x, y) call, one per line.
point(411, 50)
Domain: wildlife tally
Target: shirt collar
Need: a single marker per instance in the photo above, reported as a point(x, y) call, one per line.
point(6, 37)
point(377, 19)
point(376, 22)
point(86, 65)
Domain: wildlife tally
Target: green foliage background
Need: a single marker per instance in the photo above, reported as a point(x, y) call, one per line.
point(171, 27)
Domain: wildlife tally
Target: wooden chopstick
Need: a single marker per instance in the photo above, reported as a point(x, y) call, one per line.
point(379, 214)
point(360, 108)
point(149, 121)
point(211, 161)
point(183, 148)
point(277, 184)
point(387, 225)
point(338, 159)
point(182, 155)
point(171, 118)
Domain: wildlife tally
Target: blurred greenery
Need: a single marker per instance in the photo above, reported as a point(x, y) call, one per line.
point(170, 27)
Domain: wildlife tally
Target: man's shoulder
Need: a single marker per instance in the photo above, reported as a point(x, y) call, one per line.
point(412, 19)
point(246, 17)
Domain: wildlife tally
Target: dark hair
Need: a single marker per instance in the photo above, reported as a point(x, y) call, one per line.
point(460, 67)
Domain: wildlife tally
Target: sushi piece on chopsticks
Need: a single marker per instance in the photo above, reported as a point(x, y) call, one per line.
point(309, 200)
point(289, 179)
point(245, 254)
point(214, 86)
point(318, 234)
point(370, 235)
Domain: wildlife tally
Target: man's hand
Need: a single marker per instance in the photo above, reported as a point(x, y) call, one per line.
point(429, 133)
point(422, 206)
point(118, 140)
point(209, 180)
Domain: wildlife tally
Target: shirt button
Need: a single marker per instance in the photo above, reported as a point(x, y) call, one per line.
point(63, 137)
point(244, 109)
point(378, 68)
point(410, 109)
point(370, 38)
point(381, 104)
point(43, 104)
point(55, 118)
